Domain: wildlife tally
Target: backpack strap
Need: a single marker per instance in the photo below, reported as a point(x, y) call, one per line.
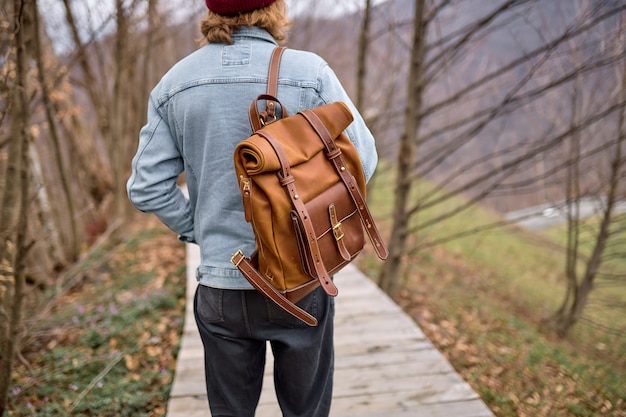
point(333, 153)
point(258, 281)
point(260, 119)
point(272, 78)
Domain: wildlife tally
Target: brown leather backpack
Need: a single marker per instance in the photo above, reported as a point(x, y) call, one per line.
point(303, 191)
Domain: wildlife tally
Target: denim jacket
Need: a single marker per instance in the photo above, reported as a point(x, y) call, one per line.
point(197, 113)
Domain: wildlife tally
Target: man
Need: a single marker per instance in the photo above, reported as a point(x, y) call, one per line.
point(197, 114)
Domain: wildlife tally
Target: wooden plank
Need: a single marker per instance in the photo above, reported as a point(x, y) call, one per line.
point(376, 327)
point(396, 379)
point(396, 406)
point(361, 407)
point(423, 362)
point(384, 405)
point(189, 406)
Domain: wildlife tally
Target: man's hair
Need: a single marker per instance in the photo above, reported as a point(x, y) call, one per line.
point(216, 28)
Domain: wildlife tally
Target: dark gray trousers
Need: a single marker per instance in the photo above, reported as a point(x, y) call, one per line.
point(236, 324)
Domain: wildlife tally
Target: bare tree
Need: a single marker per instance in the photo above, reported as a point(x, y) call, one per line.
point(54, 135)
point(13, 244)
point(579, 283)
point(117, 141)
point(389, 278)
point(362, 51)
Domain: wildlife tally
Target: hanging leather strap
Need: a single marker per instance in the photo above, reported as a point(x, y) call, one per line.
point(333, 153)
point(259, 282)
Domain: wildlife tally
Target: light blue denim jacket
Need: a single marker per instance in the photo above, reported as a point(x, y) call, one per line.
point(197, 114)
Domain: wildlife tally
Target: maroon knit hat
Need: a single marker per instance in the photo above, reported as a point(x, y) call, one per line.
point(232, 7)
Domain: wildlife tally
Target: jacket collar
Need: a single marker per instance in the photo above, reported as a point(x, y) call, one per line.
point(254, 33)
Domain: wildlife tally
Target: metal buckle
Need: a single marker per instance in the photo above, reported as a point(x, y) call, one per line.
point(269, 120)
point(338, 231)
point(239, 254)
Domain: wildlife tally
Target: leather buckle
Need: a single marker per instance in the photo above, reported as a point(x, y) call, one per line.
point(237, 258)
point(338, 231)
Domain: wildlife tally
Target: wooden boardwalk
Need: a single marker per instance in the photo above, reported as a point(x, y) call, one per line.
point(384, 364)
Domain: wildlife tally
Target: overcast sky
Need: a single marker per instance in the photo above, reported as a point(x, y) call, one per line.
point(326, 7)
point(93, 13)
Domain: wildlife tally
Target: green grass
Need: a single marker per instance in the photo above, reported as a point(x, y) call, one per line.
point(483, 301)
point(108, 347)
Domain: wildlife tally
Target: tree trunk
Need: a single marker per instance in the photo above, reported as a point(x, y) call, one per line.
point(97, 168)
point(562, 319)
point(52, 252)
point(577, 293)
point(56, 143)
point(362, 58)
point(117, 143)
point(15, 201)
point(390, 279)
point(98, 98)
point(148, 65)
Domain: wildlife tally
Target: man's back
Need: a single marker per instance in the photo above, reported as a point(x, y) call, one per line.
point(204, 99)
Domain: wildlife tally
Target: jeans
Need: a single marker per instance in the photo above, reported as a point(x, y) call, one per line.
point(234, 326)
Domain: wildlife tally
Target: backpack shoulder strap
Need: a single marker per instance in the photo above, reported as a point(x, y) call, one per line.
point(272, 77)
point(258, 281)
point(258, 120)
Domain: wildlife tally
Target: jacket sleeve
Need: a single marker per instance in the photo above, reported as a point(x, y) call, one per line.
point(156, 167)
point(330, 91)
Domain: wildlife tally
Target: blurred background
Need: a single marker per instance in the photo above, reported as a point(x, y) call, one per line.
point(500, 125)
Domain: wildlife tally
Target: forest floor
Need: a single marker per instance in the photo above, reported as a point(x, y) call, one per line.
point(503, 349)
point(107, 346)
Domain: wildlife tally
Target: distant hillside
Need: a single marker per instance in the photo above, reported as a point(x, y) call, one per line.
point(521, 123)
